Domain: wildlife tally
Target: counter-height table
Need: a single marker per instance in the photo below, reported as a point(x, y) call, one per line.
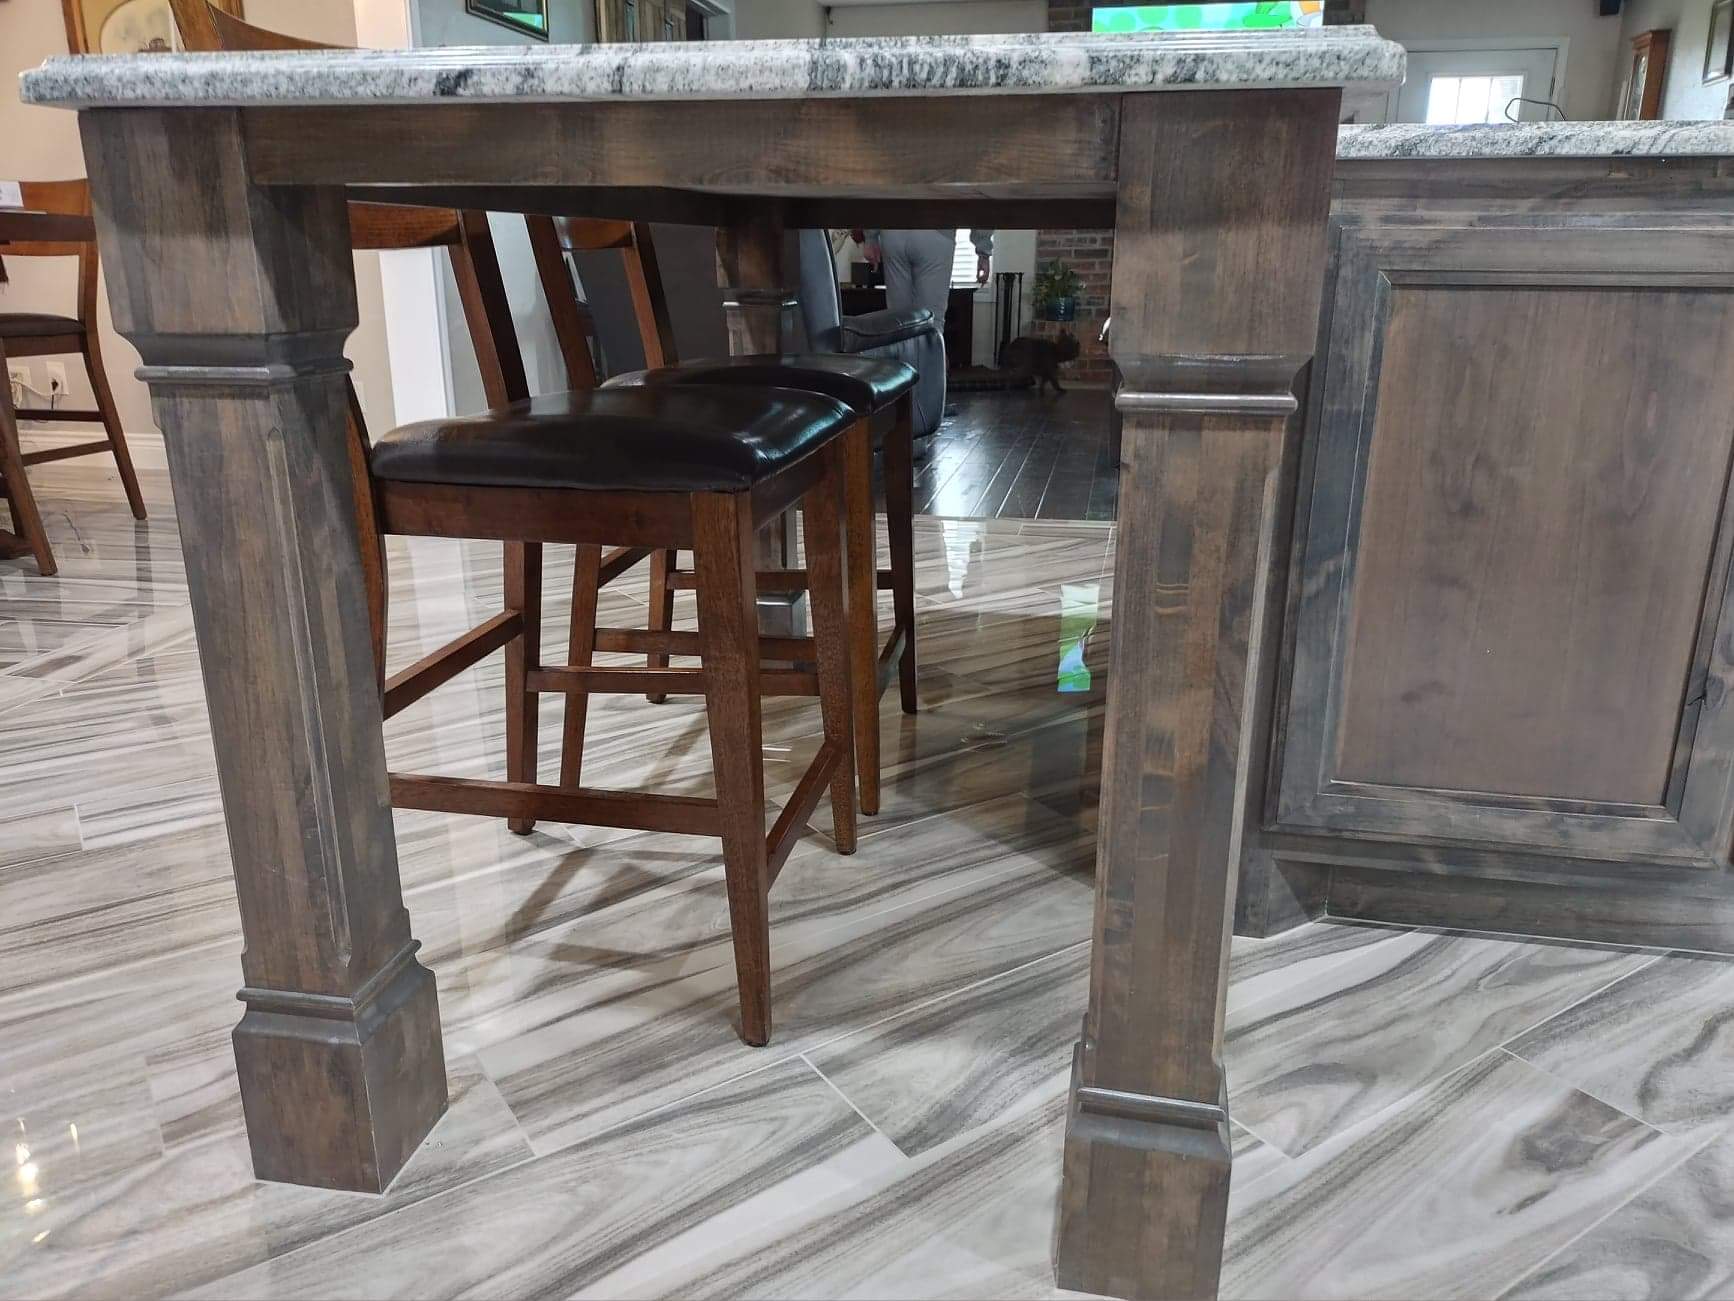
point(219, 187)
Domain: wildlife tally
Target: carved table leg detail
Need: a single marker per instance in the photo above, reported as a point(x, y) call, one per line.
point(1218, 266)
point(239, 300)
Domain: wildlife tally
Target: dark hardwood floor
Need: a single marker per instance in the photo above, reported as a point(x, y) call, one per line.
point(1017, 456)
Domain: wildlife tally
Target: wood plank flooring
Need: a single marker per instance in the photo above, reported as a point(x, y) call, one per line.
point(1416, 1114)
point(1018, 456)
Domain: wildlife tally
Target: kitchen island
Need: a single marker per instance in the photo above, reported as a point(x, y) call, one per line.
point(1498, 633)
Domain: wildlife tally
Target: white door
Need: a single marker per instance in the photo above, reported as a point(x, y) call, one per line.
point(1463, 86)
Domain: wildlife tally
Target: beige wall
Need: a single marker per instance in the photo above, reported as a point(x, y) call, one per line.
point(1684, 94)
point(1591, 61)
point(42, 144)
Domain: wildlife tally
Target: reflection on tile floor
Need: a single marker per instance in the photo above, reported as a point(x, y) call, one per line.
point(1417, 1114)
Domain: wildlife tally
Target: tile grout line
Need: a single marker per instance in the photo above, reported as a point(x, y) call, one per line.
point(1575, 1087)
point(1579, 1002)
point(846, 1098)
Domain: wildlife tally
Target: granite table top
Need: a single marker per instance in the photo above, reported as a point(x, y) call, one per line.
point(1047, 63)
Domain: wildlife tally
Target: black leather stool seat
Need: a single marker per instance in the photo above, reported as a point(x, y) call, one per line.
point(19, 325)
point(721, 438)
point(867, 384)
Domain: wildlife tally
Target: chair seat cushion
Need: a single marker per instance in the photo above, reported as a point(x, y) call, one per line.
point(888, 325)
point(663, 439)
point(21, 325)
point(866, 384)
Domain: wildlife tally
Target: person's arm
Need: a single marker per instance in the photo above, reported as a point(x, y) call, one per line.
point(875, 253)
point(983, 241)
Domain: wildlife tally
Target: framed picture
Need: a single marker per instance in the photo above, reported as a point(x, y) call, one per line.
point(126, 26)
point(1719, 49)
point(529, 17)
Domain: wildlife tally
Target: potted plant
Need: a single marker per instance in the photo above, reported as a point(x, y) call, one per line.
point(1056, 292)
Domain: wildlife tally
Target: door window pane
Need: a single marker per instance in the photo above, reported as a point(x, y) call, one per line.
point(1455, 101)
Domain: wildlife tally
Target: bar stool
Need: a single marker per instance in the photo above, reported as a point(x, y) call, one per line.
point(688, 467)
point(868, 386)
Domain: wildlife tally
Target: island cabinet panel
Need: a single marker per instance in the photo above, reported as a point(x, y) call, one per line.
point(1506, 615)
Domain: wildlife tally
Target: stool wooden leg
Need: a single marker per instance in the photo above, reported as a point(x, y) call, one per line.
point(523, 653)
point(835, 633)
point(26, 519)
point(661, 610)
point(900, 522)
point(580, 647)
point(728, 631)
point(863, 571)
point(111, 423)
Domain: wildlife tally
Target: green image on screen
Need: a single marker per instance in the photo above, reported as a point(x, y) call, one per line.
point(1254, 16)
point(527, 16)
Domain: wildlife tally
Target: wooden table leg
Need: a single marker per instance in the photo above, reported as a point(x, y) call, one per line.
point(239, 300)
point(1218, 269)
point(750, 265)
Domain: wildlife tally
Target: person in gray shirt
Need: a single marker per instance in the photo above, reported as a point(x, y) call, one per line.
point(918, 265)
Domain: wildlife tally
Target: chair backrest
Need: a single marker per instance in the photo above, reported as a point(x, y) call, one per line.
point(383, 226)
point(69, 198)
point(552, 238)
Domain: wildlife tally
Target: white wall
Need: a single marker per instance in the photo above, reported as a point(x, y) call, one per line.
point(1592, 61)
point(43, 144)
point(444, 22)
point(1684, 94)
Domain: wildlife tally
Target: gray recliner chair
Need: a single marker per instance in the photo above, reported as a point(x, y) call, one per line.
point(687, 255)
point(913, 337)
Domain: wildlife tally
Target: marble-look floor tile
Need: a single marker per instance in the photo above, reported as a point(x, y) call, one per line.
point(38, 833)
point(1458, 1192)
point(586, 978)
point(96, 911)
point(683, 1180)
point(1659, 1045)
point(1673, 1241)
point(196, 1213)
point(927, 1076)
point(667, 1027)
point(931, 1074)
point(972, 1218)
point(1349, 1040)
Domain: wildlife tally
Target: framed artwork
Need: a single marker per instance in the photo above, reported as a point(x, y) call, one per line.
point(527, 17)
point(1719, 49)
point(1641, 91)
point(126, 26)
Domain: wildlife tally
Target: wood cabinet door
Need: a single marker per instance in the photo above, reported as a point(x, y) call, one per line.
point(1507, 626)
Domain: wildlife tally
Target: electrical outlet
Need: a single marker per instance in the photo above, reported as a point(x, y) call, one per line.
point(56, 372)
point(18, 378)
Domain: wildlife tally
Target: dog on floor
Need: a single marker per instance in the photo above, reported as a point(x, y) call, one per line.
point(1041, 358)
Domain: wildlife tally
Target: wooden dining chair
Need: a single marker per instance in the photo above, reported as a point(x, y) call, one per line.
point(869, 385)
point(39, 334)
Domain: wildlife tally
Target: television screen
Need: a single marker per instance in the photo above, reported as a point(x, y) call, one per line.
point(527, 16)
point(1209, 17)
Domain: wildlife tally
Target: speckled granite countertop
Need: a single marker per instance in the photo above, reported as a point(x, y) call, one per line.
point(1538, 140)
point(1033, 64)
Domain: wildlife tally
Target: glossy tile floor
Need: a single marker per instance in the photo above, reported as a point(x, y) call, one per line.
point(1417, 1114)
